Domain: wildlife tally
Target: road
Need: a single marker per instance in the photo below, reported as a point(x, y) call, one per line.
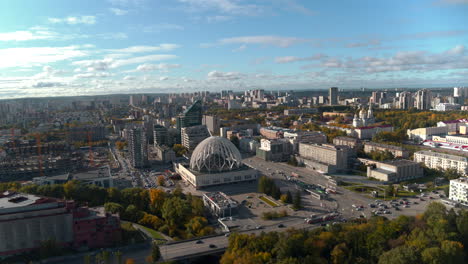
point(191, 248)
point(342, 201)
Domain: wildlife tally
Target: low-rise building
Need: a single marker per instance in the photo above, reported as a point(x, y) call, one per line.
point(327, 158)
point(220, 204)
point(192, 136)
point(299, 136)
point(395, 170)
point(447, 107)
point(351, 142)
point(165, 154)
point(101, 177)
point(425, 133)
point(397, 152)
point(27, 220)
point(274, 149)
point(273, 132)
point(215, 161)
point(437, 160)
point(458, 191)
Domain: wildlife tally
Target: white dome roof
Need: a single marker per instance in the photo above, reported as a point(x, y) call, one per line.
point(215, 154)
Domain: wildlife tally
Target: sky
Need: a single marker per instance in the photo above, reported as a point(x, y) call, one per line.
point(90, 47)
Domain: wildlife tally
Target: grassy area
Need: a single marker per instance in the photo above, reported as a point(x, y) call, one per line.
point(155, 234)
point(344, 183)
point(268, 201)
point(367, 190)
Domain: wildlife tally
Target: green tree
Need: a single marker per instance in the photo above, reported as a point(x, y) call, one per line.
point(400, 255)
point(339, 254)
point(155, 252)
point(179, 150)
point(235, 140)
point(114, 208)
point(432, 255)
point(175, 211)
point(453, 252)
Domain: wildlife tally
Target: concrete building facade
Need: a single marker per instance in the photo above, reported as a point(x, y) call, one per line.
point(458, 190)
point(437, 160)
point(395, 170)
point(397, 152)
point(325, 157)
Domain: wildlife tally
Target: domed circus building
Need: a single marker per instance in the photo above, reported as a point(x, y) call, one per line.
point(215, 161)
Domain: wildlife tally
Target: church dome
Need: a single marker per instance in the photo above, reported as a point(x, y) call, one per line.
point(215, 154)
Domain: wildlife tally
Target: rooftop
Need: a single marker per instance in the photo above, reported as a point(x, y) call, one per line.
point(442, 155)
point(400, 162)
point(11, 200)
point(383, 145)
point(221, 199)
point(461, 180)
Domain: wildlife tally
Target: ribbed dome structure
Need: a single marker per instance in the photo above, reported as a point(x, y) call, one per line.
point(215, 154)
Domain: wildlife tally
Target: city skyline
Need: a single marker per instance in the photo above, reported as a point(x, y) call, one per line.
point(56, 48)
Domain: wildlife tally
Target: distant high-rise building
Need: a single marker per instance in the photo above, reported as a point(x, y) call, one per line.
point(212, 123)
point(160, 135)
point(460, 94)
point(333, 95)
point(138, 147)
point(192, 116)
point(423, 99)
point(405, 100)
point(135, 100)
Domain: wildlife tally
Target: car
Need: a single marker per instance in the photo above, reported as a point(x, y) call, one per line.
point(430, 197)
point(421, 199)
point(407, 206)
point(212, 246)
point(280, 225)
point(227, 234)
point(415, 203)
point(199, 242)
point(258, 227)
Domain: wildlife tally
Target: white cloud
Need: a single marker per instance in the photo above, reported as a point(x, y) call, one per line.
point(153, 67)
point(41, 84)
point(110, 63)
point(114, 36)
point(278, 41)
point(47, 72)
point(163, 78)
point(74, 20)
point(118, 11)
point(218, 18)
point(143, 59)
point(162, 27)
point(92, 75)
point(224, 6)
point(141, 49)
point(223, 76)
point(241, 48)
point(288, 59)
point(33, 56)
point(25, 35)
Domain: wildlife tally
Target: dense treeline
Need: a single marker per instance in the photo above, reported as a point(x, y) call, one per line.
point(410, 119)
point(437, 236)
point(176, 214)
